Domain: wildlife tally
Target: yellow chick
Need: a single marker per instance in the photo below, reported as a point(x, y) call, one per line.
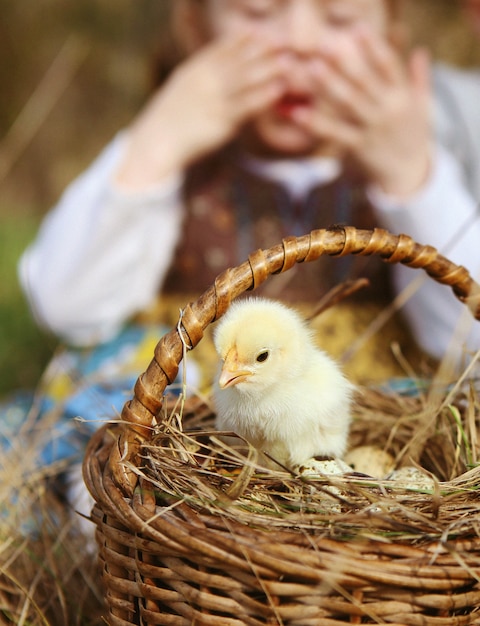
point(277, 389)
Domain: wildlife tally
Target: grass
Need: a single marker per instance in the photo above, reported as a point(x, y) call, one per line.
point(24, 349)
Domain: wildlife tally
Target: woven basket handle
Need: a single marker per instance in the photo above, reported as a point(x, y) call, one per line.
point(139, 413)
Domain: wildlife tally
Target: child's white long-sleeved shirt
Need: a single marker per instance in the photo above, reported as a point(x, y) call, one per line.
point(100, 254)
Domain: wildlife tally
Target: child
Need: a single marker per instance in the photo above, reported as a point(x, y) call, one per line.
point(282, 117)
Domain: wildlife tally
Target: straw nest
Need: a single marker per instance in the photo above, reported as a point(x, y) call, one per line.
point(433, 492)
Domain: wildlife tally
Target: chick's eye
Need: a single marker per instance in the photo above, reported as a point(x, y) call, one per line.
point(262, 356)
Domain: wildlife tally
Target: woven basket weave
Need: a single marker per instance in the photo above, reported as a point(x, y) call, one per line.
point(181, 561)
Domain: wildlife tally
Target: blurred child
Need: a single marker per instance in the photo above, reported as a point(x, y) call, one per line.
point(283, 116)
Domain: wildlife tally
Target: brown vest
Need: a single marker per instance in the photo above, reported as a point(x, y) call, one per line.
point(231, 212)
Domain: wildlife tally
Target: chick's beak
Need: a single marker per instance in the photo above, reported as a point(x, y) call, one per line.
point(233, 371)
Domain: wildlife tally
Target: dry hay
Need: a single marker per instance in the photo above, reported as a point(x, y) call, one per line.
point(46, 575)
point(48, 579)
point(437, 433)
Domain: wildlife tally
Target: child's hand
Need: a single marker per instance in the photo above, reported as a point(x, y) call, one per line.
point(202, 106)
point(376, 110)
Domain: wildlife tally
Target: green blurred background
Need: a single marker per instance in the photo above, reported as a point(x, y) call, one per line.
point(72, 74)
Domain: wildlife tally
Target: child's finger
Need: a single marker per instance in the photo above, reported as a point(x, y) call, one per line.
point(259, 75)
point(347, 61)
point(328, 126)
point(355, 80)
point(252, 101)
point(381, 57)
point(250, 64)
point(256, 77)
point(420, 72)
point(248, 47)
point(347, 97)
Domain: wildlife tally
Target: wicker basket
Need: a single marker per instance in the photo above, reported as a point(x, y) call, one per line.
point(178, 559)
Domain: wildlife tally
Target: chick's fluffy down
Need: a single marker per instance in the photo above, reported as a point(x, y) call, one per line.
point(275, 388)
